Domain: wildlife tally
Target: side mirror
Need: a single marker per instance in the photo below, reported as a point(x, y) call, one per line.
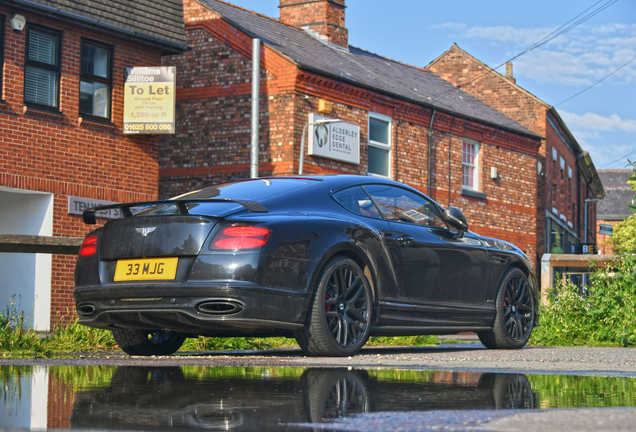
point(456, 219)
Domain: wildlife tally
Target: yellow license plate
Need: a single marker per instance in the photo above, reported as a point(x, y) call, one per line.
point(146, 269)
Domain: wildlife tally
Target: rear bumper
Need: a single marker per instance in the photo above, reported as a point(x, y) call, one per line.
point(235, 309)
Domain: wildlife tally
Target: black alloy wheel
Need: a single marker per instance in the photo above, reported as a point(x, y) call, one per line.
point(148, 343)
point(338, 323)
point(335, 393)
point(515, 313)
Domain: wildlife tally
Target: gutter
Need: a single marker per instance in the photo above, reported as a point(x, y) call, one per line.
point(430, 145)
point(584, 161)
point(166, 46)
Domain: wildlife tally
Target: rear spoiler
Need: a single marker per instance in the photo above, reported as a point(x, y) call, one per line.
point(89, 214)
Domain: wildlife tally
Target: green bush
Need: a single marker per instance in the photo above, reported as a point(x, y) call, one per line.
point(623, 239)
point(603, 316)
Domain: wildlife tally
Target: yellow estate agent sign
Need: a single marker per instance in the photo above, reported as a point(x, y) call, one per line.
point(149, 100)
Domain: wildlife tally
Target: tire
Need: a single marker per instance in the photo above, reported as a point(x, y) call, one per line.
point(335, 393)
point(148, 343)
point(515, 313)
point(339, 318)
point(509, 391)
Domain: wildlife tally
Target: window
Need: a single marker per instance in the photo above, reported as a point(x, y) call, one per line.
point(400, 205)
point(470, 165)
point(357, 201)
point(379, 145)
point(42, 69)
point(96, 79)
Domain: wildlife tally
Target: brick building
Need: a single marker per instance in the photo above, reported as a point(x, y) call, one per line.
point(614, 208)
point(567, 183)
point(62, 144)
point(414, 127)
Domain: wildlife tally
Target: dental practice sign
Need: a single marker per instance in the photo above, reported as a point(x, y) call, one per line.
point(340, 141)
point(149, 100)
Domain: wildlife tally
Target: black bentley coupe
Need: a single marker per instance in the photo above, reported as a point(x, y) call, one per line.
point(328, 260)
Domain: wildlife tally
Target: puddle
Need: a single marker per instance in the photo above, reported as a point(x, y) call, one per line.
point(242, 399)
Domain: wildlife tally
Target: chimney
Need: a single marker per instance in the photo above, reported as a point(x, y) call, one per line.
point(323, 18)
point(509, 72)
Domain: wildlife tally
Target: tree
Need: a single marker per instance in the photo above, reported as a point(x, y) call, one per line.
point(623, 239)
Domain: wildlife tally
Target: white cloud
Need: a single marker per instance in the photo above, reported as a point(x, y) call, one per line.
point(599, 123)
point(449, 27)
point(579, 57)
point(506, 34)
point(607, 156)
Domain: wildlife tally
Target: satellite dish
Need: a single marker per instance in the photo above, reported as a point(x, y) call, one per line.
point(539, 167)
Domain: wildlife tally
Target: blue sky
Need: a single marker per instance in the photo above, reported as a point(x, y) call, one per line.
point(603, 118)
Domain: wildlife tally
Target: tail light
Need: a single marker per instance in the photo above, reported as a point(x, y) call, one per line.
point(89, 246)
point(240, 237)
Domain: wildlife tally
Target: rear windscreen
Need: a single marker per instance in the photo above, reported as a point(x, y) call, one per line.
point(248, 190)
point(252, 190)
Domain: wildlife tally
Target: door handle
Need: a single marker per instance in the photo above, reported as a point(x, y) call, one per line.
point(405, 240)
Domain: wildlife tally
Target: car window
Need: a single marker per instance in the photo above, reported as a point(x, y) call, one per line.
point(252, 189)
point(401, 205)
point(357, 201)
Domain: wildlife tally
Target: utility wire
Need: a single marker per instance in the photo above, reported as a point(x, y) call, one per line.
point(608, 164)
point(561, 30)
point(554, 34)
point(602, 79)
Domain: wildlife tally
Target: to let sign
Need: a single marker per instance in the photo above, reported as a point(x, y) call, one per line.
point(149, 100)
point(340, 141)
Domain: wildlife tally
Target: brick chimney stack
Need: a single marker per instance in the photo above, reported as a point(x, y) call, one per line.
point(325, 18)
point(509, 72)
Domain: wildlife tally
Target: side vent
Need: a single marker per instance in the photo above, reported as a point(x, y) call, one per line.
point(500, 259)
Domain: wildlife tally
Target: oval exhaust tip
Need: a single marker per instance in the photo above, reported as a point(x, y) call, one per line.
point(86, 309)
point(219, 307)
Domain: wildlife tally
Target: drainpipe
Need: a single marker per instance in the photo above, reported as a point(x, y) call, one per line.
point(450, 139)
point(430, 145)
point(256, 76)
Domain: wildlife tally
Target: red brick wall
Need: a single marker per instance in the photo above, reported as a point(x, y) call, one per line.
point(56, 154)
point(553, 188)
point(61, 398)
point(603, 241)
point(213, 132)
point(562, 192)
point(460, 68)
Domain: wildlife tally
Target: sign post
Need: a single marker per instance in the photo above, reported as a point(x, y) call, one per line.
point(149, 100)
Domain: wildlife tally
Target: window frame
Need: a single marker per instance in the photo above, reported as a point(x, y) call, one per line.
point(96, 78)
point(3, 19)
point(380, 145)
point(39, 65)
point(476, 165)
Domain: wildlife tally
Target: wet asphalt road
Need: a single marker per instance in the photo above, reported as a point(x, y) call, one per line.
point(465, 357)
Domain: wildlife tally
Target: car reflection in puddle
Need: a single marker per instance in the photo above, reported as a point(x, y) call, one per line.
point(159, 398)
point(280, 399)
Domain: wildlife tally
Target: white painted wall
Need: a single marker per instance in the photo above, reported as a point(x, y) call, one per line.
point(26, 278)
point(26, 401)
